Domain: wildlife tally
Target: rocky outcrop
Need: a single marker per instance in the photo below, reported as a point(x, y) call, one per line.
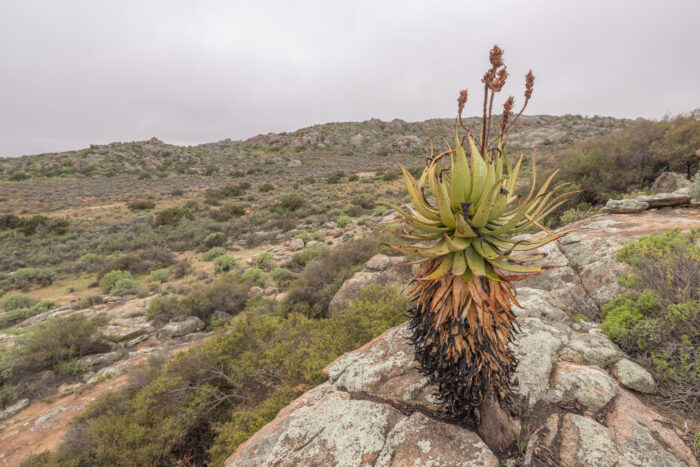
point(668, 182)
point(377, 271)
point(582, 399)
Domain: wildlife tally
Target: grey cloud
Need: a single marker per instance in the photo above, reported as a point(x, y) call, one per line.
point(79, 72)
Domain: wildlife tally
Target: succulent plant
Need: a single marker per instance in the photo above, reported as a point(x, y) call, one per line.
point(461, 321)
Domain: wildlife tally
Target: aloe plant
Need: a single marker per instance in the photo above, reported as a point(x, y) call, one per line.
point(462, 322)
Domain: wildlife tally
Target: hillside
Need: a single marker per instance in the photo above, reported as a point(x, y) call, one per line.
point(188, 294)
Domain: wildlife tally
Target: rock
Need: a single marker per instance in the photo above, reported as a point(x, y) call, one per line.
point(385, 368)
point(14, 409)
point(294, 163)
point(538, 303)
point(407, 143)
point(137, 340)
point(356, 140)
point(101, 359)
point(271, 290)
point(592, 348)
point(535, 349)
point(379, 262)
point(586, 442)
point(418, 440)
point(328, 427)
point(661, 200)
point(181, 328)
point(625, 206)
point(399, 275)
point(590, 386)
point(122, 329)
point(642, 438)
point(668, 182)
point(296, 244)
point(634, 376)
point(256, 290)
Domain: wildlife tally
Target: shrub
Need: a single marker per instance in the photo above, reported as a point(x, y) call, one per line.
point(163, 307)
point(255, 275)
point(215, 239)
point(301, 258)
point(353, 178)
point(576, 214)
point(140, 205)
point(291, 203)
point(228, 294)
point(72, 367)
point(47, 344)
point(343, 221)
point(116, 281)
point(282, 276)
point(24, 278)
point(318, 236)
point(227, 212)
point(304, 236)
point(171, 216)
point(265, 187)
point(658, 321)
point(16, 301)
point(225, 263)
point(321, 277)
point(353, 210)
point(213, 253)
point(12, 317)
point(160, 275)
point(265, 261)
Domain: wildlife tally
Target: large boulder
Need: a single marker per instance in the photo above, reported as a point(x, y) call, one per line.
point(182, 327)
point(624, 206)
point(668, 182)
point(661, 200)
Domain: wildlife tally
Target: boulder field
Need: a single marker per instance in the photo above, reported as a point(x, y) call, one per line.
point(584, 402)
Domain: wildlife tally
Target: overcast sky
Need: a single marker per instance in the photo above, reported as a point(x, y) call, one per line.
point(79, 72)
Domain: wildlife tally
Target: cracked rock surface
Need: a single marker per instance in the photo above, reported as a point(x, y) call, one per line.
point(582, 399)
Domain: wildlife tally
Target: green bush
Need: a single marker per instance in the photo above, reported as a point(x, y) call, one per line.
point(225, 263)
point(140, 205)
point(172, 216)
point(72, 367)
point(228, 294)
point(282, 276)
point(318, 236)
point(160, 275)
point(215, 239)
point(658, 321)
point(255, 275)
point(17, 315)
point(343, 221)
point(16, 301)
point(117, 281)
point(213, 253)
point(261, 362)
point(576, 214)
point(227, 212)
point(47, 344)
point(302, 258)
point(291, 203)
point(265, 261)
point(265, 187)
point(25, 277)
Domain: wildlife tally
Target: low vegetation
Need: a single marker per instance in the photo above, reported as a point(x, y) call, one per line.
point(658, 320)
point(203, 403)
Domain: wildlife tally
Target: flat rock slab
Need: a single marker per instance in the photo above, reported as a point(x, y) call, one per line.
point(326, 427)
